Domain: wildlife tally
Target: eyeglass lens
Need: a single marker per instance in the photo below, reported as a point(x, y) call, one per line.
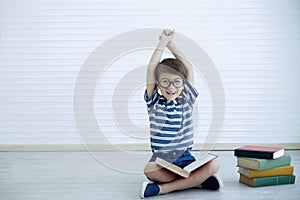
point(166, 82)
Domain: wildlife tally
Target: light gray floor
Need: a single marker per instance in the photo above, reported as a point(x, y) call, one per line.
point(77, 175)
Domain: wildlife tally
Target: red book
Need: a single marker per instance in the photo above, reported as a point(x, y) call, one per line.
point(259, 152)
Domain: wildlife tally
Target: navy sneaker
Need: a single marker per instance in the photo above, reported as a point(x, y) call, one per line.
point(149, 189)
point(213, 183)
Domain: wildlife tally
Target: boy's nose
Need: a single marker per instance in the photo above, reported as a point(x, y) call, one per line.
point(171, 85)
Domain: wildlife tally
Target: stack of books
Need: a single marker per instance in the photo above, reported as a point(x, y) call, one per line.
point(264, 166)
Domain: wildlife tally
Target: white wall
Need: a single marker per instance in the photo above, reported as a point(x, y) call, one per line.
point(254, 44)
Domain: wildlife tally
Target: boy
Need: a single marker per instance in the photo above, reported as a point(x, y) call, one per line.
point(170, 95)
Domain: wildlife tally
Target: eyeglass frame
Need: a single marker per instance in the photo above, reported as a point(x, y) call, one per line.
point(171, 82)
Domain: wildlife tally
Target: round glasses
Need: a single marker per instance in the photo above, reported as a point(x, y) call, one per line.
point(165, 83)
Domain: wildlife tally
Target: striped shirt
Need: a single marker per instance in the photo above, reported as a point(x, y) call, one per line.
point(171, 122)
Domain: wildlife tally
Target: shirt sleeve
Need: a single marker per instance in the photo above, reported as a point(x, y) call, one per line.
point(190, 92)
point(152, 99)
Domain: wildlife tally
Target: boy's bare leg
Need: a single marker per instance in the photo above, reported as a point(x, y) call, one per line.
point(194, 180)
point(158, 174)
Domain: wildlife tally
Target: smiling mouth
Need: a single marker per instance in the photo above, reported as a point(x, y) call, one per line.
point(171, 93)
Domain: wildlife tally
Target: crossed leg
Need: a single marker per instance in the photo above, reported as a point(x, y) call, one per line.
point(169, 182)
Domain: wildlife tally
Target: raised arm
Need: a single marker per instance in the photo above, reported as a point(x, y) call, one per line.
point(164, 39)
point(180, 56)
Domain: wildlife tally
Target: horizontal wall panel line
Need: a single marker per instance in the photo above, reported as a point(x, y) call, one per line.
point(142, 147)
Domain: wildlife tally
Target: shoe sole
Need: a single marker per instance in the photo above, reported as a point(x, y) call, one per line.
point(219, 179)
point(145, 183)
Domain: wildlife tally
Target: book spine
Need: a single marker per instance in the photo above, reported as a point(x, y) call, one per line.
point(268, 181)
point(253, 154)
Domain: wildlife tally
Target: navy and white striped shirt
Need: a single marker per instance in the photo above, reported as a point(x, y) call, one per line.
point(171, 122)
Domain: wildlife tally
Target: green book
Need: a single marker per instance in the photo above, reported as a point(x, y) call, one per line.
point(262, 164)
point(268, 181)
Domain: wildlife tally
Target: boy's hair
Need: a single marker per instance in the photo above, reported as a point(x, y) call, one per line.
point(171, 65)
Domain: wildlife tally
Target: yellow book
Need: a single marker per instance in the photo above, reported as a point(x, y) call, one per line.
point(278, 171)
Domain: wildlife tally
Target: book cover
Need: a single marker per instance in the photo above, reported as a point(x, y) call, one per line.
point(262, 164)
point(268, 181)
point(278, 171)
point(259, 152)
point(185, 172)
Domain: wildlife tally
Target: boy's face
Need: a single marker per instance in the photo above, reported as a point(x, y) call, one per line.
point(170, 85)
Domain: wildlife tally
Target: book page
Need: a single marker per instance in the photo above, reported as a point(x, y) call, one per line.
point(199, 162)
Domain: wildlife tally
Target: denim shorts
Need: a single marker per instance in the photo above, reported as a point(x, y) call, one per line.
point(177, 157)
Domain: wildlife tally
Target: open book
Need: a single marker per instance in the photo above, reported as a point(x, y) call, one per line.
point(185, 172)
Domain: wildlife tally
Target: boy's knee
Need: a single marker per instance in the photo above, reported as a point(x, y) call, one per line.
point(150, 169)
point(155, 173)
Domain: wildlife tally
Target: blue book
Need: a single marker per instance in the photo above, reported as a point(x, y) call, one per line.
point(268, 181)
